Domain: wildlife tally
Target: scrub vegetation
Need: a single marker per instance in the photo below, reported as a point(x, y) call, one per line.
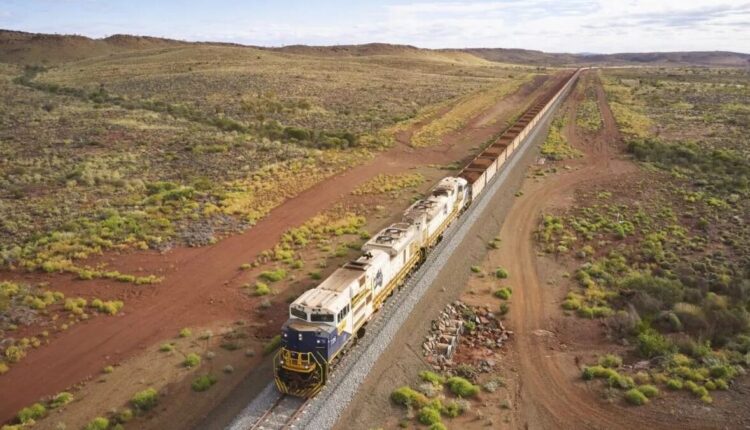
point(439, 398)
point(186, 145)
point(664, 259)
point(556, 146)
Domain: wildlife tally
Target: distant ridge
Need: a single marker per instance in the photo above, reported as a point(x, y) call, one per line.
point(20, 47)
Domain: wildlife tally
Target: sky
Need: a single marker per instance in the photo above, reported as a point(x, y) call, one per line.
point(591, 26)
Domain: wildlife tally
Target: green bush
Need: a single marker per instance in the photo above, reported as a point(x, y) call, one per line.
point(674, 384)
point(501, 273)
point(635, 397)
point(192, 360)
point(262, 289)
point(145, 400)
point(98, 423)
point(124, 416)
point(591, 372)
point(203, 382)
point(652, 344)
point(434, 378)
point(31, 413)
point(504, 293)
point(476, 269)
point(272, 344)
point(61, 399)
point(621, 381)
point(273, 275)
point(610, 361)
point(428, 415)
point(461, 387)
point(166, 347)
point(648, 390)
point(185, 332)
point(405, 396)
point(452, 409)
point(437, 426)
point(504, 308)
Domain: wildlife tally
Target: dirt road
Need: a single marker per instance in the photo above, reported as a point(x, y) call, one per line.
point(551, 394)
point(200, 285)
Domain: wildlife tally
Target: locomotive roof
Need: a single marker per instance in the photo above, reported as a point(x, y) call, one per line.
point(392, 239)
point(341, 278)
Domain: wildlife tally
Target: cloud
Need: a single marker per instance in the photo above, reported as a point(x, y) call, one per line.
point(549, 25)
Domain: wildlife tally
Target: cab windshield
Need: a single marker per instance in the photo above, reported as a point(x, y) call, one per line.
point(321, 317)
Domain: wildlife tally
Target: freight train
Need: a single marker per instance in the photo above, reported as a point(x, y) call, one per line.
point(324, 320)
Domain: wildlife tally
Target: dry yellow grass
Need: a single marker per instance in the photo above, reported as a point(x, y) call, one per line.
point(463, 111)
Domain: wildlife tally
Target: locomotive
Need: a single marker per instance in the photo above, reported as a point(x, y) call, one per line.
point(325, 320)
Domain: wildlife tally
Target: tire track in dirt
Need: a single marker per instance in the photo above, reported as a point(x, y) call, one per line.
point(198, 287)
point(551, 392)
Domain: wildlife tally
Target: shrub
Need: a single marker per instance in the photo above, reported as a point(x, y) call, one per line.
point(124, 416)
point(272, 345)
point(504, 308)
point(405, 396)
point(610, 361)
point(3, 368)
point(452, 409)
point(428, 415)
point(203, 382)
point(145, 400)
point(437, 426)
point(98, 423)
point(504, 293)
point(186, 332)
point(501, 273)
point(31, 413)
point(571, 303)
point(166, 347)
point(674, 384)
point(461, 387)
point(434, 378)
point(591, 372)
point(652, 344)
point(192, 360)
point(621, 381)
point(648, 390)
point(108, 369)
point(476, 269)
point(723, 371)
point(635, 397)
point(14, 354)
point(273, 275)
point(61, 399)
point(261, 289)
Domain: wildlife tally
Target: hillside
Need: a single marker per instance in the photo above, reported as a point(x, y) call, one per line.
point(18, 47)
point(525, 56)
point(33, 48)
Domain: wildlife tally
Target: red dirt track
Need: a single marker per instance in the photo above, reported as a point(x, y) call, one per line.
point(200, 284)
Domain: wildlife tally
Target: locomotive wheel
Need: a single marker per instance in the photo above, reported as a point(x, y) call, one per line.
point(360, 332)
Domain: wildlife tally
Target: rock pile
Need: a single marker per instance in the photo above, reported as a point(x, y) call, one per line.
point(444, 336)
point(488, 332)
point(472, 328)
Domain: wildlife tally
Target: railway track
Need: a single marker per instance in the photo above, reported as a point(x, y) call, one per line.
point(271, 410)
point(281, 415)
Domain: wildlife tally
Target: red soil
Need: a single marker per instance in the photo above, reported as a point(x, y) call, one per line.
point(200, 285)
